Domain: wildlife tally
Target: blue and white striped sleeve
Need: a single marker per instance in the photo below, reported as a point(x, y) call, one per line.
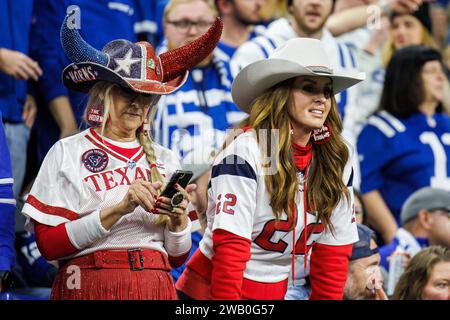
point(7, 206)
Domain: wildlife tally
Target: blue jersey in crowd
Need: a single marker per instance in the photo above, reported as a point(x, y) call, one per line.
point(403, 242)
point(400, 156)
point(149, 16)
point(101, 21)
point(7, 206)
point(226, 52)
point(15, 20)
point(199, 112)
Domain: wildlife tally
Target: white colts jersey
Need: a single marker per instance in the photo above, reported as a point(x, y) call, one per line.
point(238, 202)
point(81, 175)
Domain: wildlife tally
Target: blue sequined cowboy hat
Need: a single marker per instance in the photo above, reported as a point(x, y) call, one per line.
point(132, 65)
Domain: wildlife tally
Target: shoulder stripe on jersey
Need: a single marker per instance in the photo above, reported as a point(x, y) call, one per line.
point(341, 55)
point(265, 44)
point(221, 54)
point(350, 48)
point(235, 166)
point(8, 201)
point(274, 45)
point(116, 155)
point(108, 150)
point(214, 97)
point(7, 181)
point(264, 51)
point(381, 125)
point(393, 121)
point(100, 141)
point(56, 211)
point(350, 180)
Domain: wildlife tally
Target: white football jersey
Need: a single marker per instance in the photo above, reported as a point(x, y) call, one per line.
point(81, 175)
point(238, 202)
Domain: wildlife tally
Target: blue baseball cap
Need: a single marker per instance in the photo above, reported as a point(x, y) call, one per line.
point(361, 249)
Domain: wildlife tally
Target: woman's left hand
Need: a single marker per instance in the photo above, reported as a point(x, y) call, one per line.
point(178, 218)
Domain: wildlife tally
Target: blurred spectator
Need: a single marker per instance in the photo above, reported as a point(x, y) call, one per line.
point(446, 59)
point(60, 110)
point(403, 29)
point(16, 104)
point(148, 25)
point(439, 18)
point(198, 114)
point(7, 209)
point(364, 278)
point(273, 9)
point(239, 18)
point(425, 218)
point(351, 15)
point(409, 29)
point(307, 19)
point(427, 276)
point(405, 145)
point(18, 108)
point(360, 209)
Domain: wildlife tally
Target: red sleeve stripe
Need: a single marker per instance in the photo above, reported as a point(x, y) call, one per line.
point(56, 211)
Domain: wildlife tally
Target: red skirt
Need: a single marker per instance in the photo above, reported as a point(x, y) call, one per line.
point(115, 275)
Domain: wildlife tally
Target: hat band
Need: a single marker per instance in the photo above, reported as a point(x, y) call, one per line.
point(321, 69)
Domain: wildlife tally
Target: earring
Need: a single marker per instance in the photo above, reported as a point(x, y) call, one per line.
point(94, 115)
point(322, 135)
point(145, 128)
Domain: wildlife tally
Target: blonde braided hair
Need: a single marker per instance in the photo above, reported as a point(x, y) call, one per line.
point(147, 143)
point(101, 94)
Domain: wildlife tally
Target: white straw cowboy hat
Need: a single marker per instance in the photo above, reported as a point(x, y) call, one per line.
point(296, 57)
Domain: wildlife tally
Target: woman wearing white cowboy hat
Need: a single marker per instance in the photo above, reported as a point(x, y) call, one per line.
point(256, 216)
point(96, 205)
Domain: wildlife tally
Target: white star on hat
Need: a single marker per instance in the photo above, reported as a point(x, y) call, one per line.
point(126, 62)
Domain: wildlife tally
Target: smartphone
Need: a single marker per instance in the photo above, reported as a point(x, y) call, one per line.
point(182, 177)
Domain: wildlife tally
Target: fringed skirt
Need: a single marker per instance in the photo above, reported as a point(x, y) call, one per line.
point(115, 275)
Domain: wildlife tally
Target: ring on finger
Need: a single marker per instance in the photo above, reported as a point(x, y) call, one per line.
point(177, 199)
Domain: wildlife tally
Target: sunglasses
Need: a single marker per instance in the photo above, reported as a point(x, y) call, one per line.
point(313, 89)
point(132, 96)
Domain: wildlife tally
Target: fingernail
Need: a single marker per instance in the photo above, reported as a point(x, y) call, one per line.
point(155, 197)
point(154, 210)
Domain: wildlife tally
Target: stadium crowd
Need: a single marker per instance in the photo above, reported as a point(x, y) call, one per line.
point(396, 124)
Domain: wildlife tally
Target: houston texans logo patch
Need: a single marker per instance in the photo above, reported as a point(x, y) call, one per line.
point(95, 160)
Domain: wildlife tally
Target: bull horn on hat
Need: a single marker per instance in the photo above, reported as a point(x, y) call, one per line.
point(176, 61)
point(76, 49)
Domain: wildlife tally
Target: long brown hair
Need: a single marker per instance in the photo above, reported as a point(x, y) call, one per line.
point(416, 275)
point(101, 93)
point(325, 185)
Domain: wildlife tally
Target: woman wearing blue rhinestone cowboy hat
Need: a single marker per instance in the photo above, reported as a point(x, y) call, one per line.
point(95, 204)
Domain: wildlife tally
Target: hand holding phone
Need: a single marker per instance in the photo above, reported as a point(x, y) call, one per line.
point(181, 177)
